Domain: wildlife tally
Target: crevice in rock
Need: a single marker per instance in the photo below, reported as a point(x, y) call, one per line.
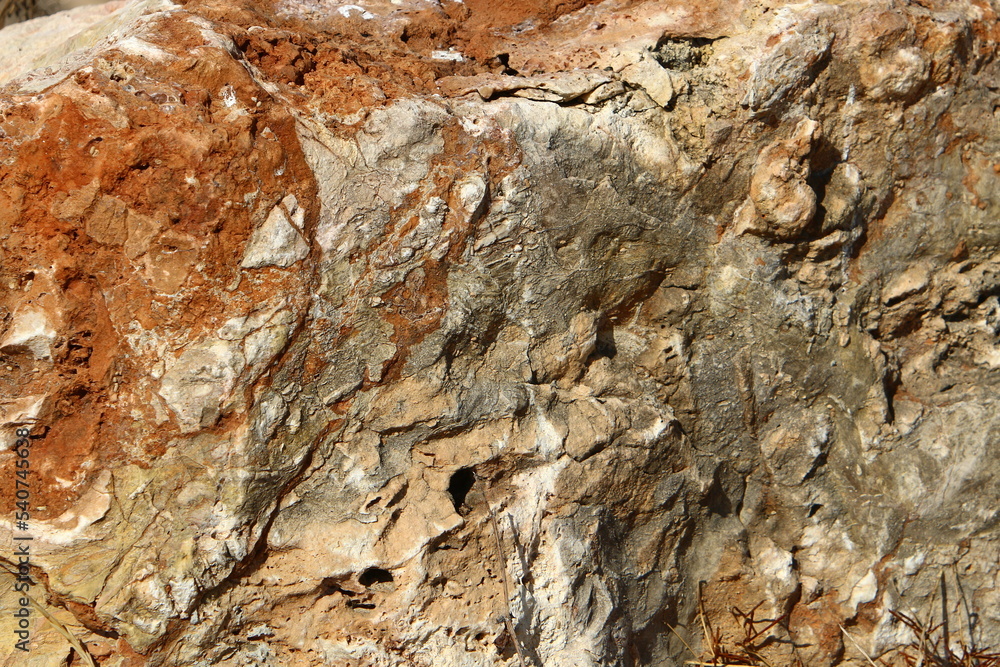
point(256, 556)
point(606, 346)
point(819, 463)
point(459, 485)
point(360, 604)
point(818, 180)
point(375, 575)
point(715, 499)
point(331, 585)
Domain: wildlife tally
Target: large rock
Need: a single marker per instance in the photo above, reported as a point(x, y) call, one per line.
point(343, 332)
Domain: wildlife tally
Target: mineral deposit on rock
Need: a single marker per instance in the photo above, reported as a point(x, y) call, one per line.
point(476, 334)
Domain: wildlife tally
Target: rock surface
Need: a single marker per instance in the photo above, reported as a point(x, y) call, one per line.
point(345, 331)
point(17, 11)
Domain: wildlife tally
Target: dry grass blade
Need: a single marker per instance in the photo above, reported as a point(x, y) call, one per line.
point(931, 645)
point(508, 617)
point(858, 646)
point(712, 639)
point(944, 621)
point(929, 651)
point(64, 631)
point(926, 630)
point(686, 645)
point(59, 627)
point(751, 634)
point(934, 644)
point(745, 652)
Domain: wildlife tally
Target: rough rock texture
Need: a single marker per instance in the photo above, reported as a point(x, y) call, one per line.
point(305, 304)
point(15, 11)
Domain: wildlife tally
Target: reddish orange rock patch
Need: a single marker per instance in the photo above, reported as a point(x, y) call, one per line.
point(127, 197)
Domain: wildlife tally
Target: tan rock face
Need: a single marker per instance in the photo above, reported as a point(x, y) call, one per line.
point(345, 332)
point(779, 188)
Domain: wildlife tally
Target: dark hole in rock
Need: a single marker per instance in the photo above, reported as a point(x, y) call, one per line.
point(817, 464)
point(815, 507)
point(374, 575)
point(358, 604)
point(460, 484)
point(716, 499)
point(329, 586)
point(504, 645)
point(606, 345)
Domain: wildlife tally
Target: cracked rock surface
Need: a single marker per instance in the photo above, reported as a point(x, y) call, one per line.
point(344, 331)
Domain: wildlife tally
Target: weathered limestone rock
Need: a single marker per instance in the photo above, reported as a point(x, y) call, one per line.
point(779, 189)
point(345, 331)
point(277, 242)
